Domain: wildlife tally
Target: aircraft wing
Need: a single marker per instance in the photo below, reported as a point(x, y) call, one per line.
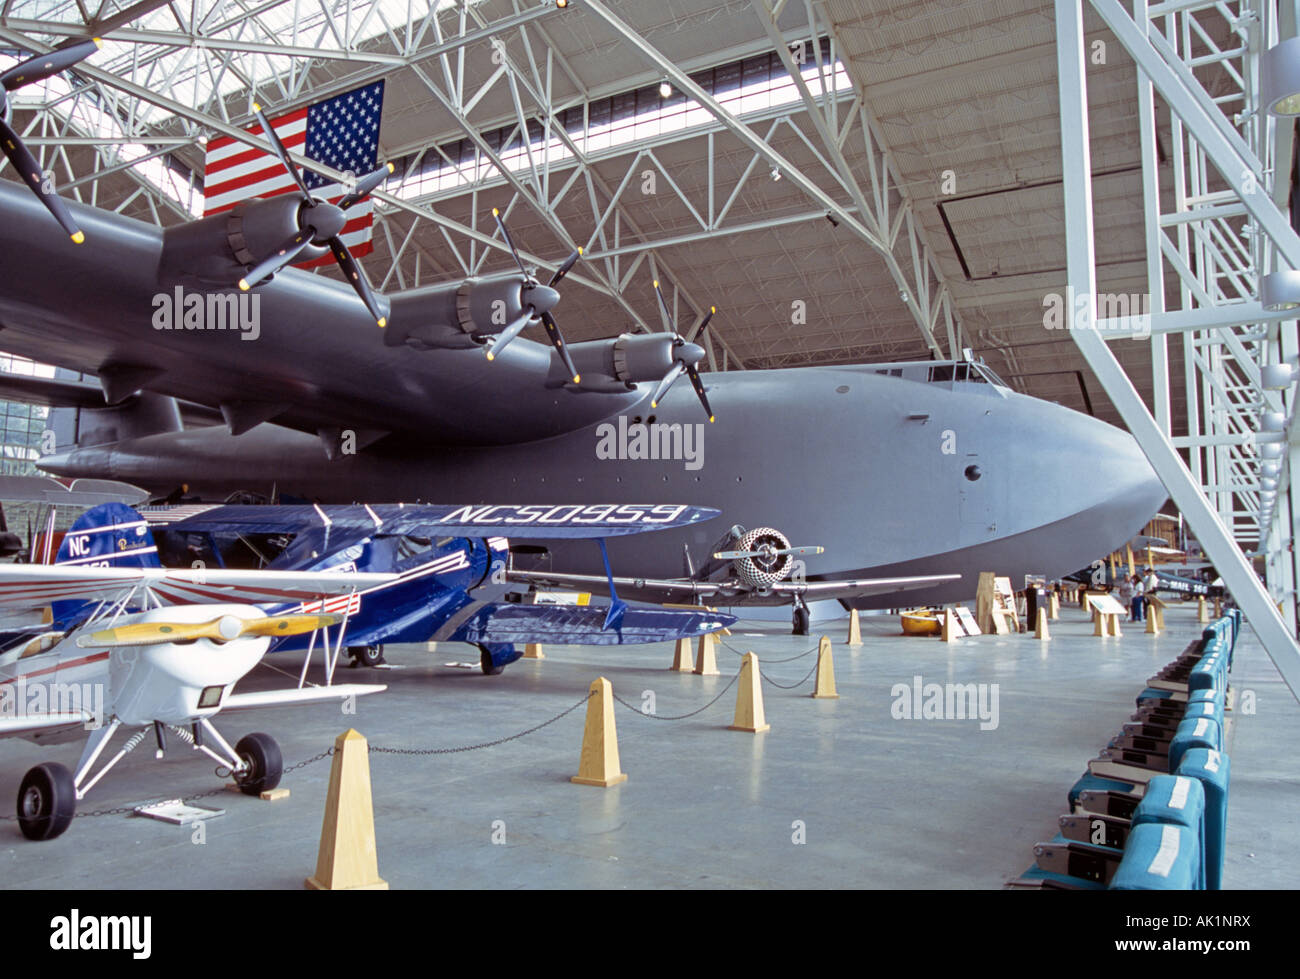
point(578, 625)
point(37, 585)
point(679, 587)
point(821, 590)
point(670, 587)
point(81, 493)
point(532, 521)
point(24, 726)
point(300, 695)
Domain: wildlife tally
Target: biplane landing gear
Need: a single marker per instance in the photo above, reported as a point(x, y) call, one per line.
point(265, 765)
point(372, 655)
point(485, 662)
point(799, 618)
point(47, 800)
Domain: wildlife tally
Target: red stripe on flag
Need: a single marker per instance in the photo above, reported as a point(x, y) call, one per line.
point(211, 166)
point(271, 172)
point(221, 142)
point(358, 251)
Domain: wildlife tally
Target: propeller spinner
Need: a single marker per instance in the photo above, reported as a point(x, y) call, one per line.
point(319, 223)
point(538, 300)
point(35, 69)
point(685, 357)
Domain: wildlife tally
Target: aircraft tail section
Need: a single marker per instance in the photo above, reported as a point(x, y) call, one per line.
point(111, 535)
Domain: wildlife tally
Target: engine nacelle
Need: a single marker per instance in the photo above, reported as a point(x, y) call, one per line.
point(218, 250)
point(456, 315)
point(166, 681)
point(620, 364)
point(766, 567)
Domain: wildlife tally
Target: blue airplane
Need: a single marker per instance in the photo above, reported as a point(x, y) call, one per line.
point(451, 562)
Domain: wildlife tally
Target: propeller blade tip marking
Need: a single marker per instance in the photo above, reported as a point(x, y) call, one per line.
point(78, 237)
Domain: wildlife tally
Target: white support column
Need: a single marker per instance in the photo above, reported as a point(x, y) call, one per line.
point(1076, 162)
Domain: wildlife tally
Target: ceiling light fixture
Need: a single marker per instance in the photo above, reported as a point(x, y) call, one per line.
point(1280, 290)
point(1279, 78)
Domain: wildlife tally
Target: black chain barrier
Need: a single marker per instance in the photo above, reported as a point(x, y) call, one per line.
point(129, 810)
point(770, 662)
point(678, 717)
point(784, 686)
point(486, 744)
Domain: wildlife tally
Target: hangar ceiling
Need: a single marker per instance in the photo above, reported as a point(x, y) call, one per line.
point(919, 191)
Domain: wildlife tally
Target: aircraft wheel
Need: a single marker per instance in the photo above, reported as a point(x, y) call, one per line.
point(372, 655)
point(47, 800)
point(801, 621)
point(265, 765)
point(485, 662)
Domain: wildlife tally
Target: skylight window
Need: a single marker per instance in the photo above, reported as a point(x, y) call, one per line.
point(743, 88)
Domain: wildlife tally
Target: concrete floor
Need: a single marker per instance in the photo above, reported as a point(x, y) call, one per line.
point(883, 802)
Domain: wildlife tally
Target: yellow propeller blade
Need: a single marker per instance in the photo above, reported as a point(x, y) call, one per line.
point(289, 625)
point(222, 629)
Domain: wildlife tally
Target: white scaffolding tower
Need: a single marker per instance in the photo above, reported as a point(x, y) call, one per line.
point(1214, 229)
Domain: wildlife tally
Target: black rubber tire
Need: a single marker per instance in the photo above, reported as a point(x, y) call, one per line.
point(47, 801)
point(266, 766)
point(485, 663)
point(800, 622)
point(372, 655)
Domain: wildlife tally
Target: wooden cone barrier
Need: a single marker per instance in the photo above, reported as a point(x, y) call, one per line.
point(855, 628)
point(1040, 627)
point(599, 762)
point(749, 699)
point(1153, 627)
point(951, 629)
point(1202, 614)
point(706, 660)
point(1218, 608)
point(533, 651)
point(984, 602)
point(825, 685)
point(683, 662)
point(1053, 606)
point(347, 859)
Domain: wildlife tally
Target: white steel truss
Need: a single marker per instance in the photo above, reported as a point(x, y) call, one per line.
point(1220, 235)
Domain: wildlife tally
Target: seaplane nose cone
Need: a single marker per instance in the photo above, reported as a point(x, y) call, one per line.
point(690, 353)
point(325, 218)
point(541, 298)
point(230, 627)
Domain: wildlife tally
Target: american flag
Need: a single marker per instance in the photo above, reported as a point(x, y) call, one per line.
point(342, 132)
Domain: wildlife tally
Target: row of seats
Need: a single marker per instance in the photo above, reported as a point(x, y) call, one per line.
point(1151, 811)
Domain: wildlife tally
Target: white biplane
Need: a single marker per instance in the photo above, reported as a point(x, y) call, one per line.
point(171, 667)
